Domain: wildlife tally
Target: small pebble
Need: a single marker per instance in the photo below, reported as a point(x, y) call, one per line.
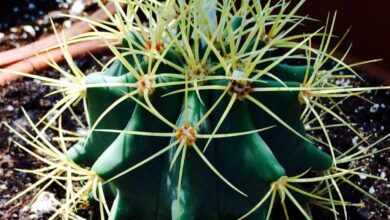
point(77, 7)
point(25, 208)
point(383, 175)
point(67, 24)
point(10, 108)
point(30, 30)
point(374, 108)
point(3, 187)
point(355, 140)
point(45, 203)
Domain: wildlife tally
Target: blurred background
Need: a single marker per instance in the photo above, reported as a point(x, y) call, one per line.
point(370, 33)
point(16, 12)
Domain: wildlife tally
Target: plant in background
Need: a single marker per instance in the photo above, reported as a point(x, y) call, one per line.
point(201, 115)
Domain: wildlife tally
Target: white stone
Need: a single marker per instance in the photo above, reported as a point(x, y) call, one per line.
point(30, 30)
point(77, 7)
point(67, 24)
point(45, 203)
point(362, 177)
point(25, 208)
point(10, 108)
point(3, 187)
point(355, 140)
point(34, 216)
point(383, 175)
point(374, 108)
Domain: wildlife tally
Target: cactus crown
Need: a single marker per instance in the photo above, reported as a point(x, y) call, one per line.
point(200, 114)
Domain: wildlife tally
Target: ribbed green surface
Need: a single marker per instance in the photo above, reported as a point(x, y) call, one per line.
point(250, 162)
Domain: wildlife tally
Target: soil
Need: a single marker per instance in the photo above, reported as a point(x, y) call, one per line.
point(23, 12)
point(30, 95)
point(29, 20)
point(373, 121)
point(371, 118)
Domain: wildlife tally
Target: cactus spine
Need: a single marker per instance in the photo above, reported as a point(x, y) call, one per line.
point(200, 116)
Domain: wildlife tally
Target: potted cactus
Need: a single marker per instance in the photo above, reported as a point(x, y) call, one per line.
point(201, 114)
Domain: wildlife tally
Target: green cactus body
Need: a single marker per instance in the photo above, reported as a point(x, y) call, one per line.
point(247, 161)
point(128, 149)
point(200, 115)
point(195, 192)
point(251, 162)
point(87, 153)
point(280, 139)
point(161, 172)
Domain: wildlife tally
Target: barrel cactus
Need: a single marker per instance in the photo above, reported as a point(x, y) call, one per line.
point(201, 113)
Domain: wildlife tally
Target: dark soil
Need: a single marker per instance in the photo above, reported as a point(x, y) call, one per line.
point(24, 21)
point(30, 95)
point(21, 12)
point(371, 119)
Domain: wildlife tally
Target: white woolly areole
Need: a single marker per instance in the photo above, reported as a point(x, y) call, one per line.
point(238, 74)
point(187, 133)
point(148, 84)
